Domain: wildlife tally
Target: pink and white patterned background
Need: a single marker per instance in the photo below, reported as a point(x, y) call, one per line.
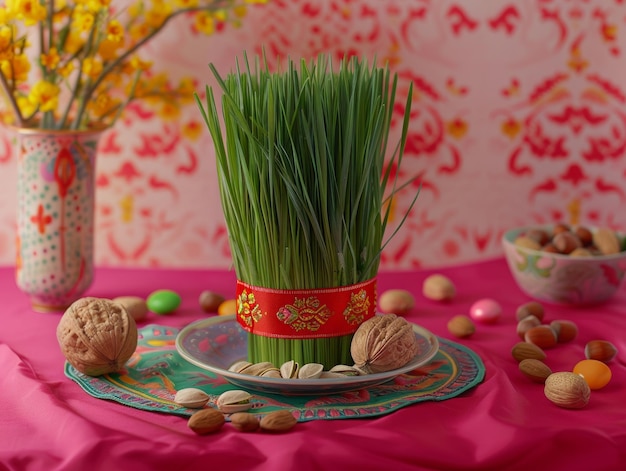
point(519, 117)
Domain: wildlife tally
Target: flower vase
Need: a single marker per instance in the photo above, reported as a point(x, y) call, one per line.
point(55, 195)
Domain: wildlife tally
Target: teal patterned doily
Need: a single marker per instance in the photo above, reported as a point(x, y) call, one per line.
point(156, 371)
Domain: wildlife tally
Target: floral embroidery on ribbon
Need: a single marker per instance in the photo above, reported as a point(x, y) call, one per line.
point(357, 308)
point(304, 314)
point(248, 310)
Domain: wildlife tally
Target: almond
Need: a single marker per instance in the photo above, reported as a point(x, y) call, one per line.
point(524, 350)
point(461, 326)
point(543, 336)
point(601, 350)
point(206, 421)
point(278, 421)
point(527, 243)
point(534, 369)
point(606, 241)
point(244, 421)
point(568, 390)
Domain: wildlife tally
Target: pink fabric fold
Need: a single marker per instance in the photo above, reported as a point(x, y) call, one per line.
point(48, 423)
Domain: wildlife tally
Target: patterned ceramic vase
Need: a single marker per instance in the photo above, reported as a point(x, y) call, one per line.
point(55, 186)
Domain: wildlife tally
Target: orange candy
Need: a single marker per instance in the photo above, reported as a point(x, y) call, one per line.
point(227, 308)
point(596, 373)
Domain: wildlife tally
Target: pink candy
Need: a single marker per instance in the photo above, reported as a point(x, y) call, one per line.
point(486, 311)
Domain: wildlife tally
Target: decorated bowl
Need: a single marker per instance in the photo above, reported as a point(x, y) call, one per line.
point(559, 278)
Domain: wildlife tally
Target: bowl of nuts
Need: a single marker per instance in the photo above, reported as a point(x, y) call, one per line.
point(563, 264)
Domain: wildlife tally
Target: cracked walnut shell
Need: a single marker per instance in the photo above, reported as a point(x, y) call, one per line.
point(97, 336)
point(383, 343)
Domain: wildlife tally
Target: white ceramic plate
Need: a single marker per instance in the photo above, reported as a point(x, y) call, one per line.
point(215, 343)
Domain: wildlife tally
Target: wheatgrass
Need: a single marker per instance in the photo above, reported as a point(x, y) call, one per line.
point(302, 178)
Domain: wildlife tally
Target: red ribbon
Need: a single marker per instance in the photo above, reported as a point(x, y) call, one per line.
point(305, 313)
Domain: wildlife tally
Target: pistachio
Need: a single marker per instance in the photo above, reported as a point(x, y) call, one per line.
point(206, 421)
point(345, 370)
point(310, 371)
point(238, 366)
point(271, 373)
point(234, 401)
point(256, 369)
point(193, 398)
point(278, 421)
point(289, 369)
point(331, 375)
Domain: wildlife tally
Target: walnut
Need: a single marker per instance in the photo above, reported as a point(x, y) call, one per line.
point(97, 336)
point(383, 343)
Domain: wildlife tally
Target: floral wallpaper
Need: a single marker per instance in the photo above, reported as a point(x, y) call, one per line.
point(518, 117)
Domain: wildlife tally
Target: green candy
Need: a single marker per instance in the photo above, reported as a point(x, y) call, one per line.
point(163, 301)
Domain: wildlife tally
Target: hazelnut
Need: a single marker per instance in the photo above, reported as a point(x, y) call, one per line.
point(566, 242)
point(585, 235)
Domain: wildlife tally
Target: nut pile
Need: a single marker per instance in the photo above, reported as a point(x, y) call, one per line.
point(573, 241)
point(567, 389)
point(211, 416)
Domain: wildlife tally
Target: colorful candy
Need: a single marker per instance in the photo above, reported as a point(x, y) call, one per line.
point(486, 311)
point(163, 301)
point(596, 373)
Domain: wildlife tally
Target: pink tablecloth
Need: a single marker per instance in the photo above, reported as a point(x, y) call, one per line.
point(48, 423)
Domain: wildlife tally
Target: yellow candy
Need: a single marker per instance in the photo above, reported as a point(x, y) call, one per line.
point(596, 373)
point(227, 307)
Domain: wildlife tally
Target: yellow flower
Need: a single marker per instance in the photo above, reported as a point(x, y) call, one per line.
point(30, 11)
point(45, 95)
point(5, 16)
point(137, 64)
point(139, 31)
point(26, 106)
point(16, 68)
point(205, 23)
point(82, 21)
point(135, 10)
point(220, 15)
point(96, 5)
point(92, 67)
point(102, 105)
point(73, 42)
point(169, 111)
point(158, 14)
point(5, 40)
point(240, 11)
point(186, 3)
point(107, 49)
point(186, 89)
point(66, 69)
point(115, 31)
point(51, 60)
